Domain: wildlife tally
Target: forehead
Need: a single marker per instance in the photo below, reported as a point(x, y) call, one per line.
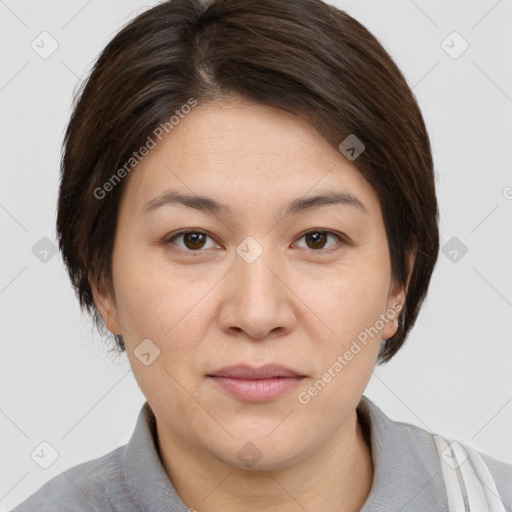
point(238, 151)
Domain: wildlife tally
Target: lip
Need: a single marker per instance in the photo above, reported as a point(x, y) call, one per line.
point(256, 384)
point(245, 371)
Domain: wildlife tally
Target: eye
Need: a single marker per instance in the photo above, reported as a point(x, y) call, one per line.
point(193, 239)
point(316, 239)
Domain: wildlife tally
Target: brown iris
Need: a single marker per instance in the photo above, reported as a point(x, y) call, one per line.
point(317, 237)
point(194, 240)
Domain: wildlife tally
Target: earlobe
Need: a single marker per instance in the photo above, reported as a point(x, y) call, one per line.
point(395, 307)
point(396, 301)
point(106, 306)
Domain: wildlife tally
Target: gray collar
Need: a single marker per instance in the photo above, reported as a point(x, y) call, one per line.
point(143, 469)
point(407, 470)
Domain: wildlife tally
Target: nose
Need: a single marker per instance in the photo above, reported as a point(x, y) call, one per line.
point(256, 298)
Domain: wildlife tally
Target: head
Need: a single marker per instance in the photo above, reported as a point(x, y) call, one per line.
point(250, 109)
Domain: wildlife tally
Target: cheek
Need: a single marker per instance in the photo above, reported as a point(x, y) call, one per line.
point(169, 307)
point(151, 297)
point(347, 356)
point(353, 302)
point(351, 307)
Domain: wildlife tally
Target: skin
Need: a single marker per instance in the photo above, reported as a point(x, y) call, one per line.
point(205, 307)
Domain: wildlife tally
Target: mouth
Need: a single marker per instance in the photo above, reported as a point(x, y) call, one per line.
point(251, 384)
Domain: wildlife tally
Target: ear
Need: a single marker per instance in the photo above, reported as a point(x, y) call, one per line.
point(105, 302)
point(396, 301)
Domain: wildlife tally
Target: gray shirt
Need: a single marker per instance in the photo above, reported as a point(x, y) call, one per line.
point(407, 473)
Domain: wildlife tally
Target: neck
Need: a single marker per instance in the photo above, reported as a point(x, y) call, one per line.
point(337, 477)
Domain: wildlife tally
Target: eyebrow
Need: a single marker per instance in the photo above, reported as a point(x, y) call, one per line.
point(207, 204)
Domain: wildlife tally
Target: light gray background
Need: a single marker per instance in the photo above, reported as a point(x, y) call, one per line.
point(59, 385)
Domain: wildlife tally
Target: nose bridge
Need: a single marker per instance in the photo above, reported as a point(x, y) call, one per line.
point(257, 302)
point(253, 265)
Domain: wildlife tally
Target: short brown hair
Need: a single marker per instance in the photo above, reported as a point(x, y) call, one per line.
point(304, 56)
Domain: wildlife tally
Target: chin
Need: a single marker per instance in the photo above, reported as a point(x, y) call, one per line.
point(255, 460)
point(261, 453)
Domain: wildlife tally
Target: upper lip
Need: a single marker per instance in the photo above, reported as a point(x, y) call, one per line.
point(268, 371)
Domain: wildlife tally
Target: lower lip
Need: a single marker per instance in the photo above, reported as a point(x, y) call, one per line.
point(260, 390)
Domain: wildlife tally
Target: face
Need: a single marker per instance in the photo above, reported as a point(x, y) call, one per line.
point(269, 278)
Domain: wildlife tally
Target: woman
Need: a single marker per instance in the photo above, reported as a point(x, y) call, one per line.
point(248, 204)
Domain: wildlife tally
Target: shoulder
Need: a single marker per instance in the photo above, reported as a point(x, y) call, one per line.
point(502, 474)
point(95, 485)
point(500, 471)
point(415, 461)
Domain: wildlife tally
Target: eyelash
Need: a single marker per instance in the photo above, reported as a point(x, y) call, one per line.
point(341, 238)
